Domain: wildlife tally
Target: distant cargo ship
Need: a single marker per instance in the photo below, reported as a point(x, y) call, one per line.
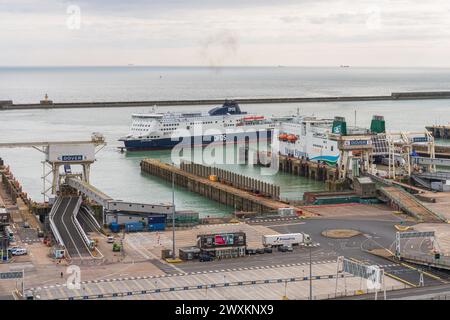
point(222, 124)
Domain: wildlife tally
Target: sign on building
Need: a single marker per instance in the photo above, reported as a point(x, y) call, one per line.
point(71, 153)
point(415, 234)
point(11, 275)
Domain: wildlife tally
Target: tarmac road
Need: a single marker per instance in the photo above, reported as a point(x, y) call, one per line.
point(299, 255)
point(329, 249)
point(375, 234)
point(63, 218)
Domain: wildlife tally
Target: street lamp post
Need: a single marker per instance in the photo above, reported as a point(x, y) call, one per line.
point(310, 273)
point(173, 215)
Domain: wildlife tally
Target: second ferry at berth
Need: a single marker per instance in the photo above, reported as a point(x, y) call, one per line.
point(222, 124)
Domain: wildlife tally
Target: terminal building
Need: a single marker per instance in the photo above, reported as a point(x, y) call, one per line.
point(223, 245)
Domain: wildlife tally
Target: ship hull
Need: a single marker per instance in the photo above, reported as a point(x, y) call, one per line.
point(197, 141)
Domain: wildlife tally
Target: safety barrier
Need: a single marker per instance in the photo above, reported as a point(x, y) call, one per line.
point(353, 293)
point(78, 226)
point(443, 262)
point(91, 216)
point(53, 227)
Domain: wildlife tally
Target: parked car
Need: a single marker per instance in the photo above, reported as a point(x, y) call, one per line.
point(250, 251)
point(18, 251)
point(282, 249)
point(289, 248)
point(26, 225)
point(205, 258)
point(260, 250)
point(13, 248)
point(110, 239)
point(268, 250)
point(116, 247)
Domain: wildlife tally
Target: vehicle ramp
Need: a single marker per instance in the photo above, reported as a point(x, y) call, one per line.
point(422, 182)
point(67, 229)
point(90, 191)
point(87, 220)
point(109, 203)
point(408, 203)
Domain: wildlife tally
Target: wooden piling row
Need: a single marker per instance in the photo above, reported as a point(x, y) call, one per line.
point(233, 179)
point(226, 194)
point(309, 169)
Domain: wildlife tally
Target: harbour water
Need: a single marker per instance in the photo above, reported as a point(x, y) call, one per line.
point(118, 174)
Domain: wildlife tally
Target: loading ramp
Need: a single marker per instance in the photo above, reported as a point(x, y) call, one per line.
point(408, 203)
point(87, 220)
point(64, 226)
point(89, 191)
point(108, 203)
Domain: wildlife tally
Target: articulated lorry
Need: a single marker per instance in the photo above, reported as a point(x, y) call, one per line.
point(288, 239)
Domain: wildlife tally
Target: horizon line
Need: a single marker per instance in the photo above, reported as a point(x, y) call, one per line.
point(344, 66)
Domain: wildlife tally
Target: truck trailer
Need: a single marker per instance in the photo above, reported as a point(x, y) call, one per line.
point(287, 239)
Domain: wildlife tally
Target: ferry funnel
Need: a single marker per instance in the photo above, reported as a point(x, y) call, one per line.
point(339, 126)
point(378, 124)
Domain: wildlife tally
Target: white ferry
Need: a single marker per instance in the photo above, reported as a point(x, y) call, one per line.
point(222, 124)
point(310, 138)
point(307, 137)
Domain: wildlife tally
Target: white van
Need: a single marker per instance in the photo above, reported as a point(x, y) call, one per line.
point(19, 251)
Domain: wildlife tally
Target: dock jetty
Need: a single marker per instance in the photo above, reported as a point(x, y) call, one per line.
point(305, 168)
point(49, 104)
point(243, 197)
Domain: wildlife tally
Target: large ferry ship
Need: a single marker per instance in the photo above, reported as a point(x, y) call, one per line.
point(308, 138)
point(222, 124)
point(314, 139)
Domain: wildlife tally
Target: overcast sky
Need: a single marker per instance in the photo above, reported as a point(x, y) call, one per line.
point(229, 32)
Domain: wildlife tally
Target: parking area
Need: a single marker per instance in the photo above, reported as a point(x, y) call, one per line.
point(27, 235)
point(247, 283)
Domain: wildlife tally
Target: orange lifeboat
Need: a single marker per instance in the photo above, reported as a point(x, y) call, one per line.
point(283, 136)
point(292, 138)
point(251, 118)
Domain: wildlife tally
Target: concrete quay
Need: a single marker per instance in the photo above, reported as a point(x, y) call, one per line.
point(12, 196)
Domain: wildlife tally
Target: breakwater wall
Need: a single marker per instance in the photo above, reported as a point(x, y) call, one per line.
point(48, 104)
